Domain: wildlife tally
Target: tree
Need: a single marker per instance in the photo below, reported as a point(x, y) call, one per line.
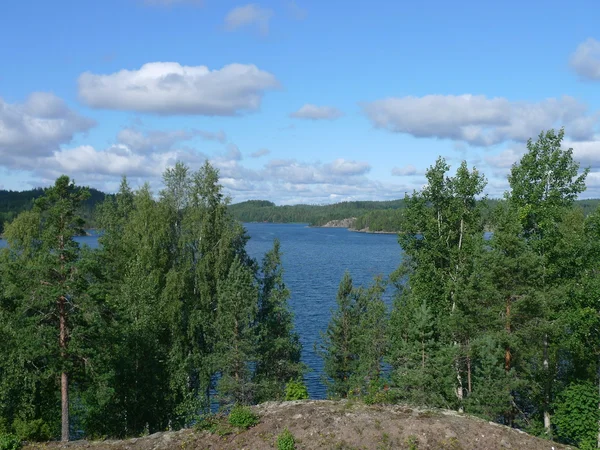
point(442, 234)
point(235, 349)
point(278, 347)
point(52, 285)
point(336, 347)
point(544, 184)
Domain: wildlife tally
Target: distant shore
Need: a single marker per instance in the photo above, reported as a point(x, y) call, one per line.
point(349, 225)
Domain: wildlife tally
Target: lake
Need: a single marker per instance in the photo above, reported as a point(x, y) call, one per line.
point(315, 260)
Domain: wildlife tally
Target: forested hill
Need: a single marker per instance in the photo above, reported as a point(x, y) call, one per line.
point(14, 202)
point(265, 211)
point(370, 215)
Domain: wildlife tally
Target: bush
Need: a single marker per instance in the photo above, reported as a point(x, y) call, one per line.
point(9, 442)
point(32, 430)
point(576, 415)
point(296, 390)
point(286, 441)
point(242, 417)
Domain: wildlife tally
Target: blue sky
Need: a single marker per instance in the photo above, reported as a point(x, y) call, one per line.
point(293, 101)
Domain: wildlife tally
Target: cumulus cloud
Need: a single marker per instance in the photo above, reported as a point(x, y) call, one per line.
point(404, 171)
point(478, 120)
point(586, 60)
point(505, 159)
point(259, 153)
point(154, 140)
point(342, 166)
point(314, 112)
point(587, 152)
point(169, 88)
point(339, 171)
point(36, 128)
point(249, 15)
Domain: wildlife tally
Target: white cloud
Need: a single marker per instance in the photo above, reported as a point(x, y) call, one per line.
point(586, 60)
point(587, 152)
point(342, 166)
point(505, 159)
point(478, 120)
point(259, 153)
point(168, 88)
point(155, 141)
point(404, 171)
point(36, 128)
point(315, 112)
point(249, 15)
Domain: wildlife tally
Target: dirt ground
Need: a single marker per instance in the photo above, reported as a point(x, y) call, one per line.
point(336, 425)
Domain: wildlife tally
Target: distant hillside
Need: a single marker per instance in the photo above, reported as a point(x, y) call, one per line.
point(265, 211)
point(14, 202)
point(370, 215)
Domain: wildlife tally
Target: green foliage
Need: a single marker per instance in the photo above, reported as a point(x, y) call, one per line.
point(9, 442)
point(296, 390)
point(32, 430)
point(576, 414)
point(278, 346)
point(355, 342)
point(261, 211)
point(242, 417)
point(168, 304)
point(286, 440)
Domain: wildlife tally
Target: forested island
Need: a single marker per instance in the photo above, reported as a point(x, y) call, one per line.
point(171, 319)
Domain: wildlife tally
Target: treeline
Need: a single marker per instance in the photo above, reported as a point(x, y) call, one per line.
point(169, 318)
point(506, 328)
point(14, 202)
point(265, 211)
point(371, 215)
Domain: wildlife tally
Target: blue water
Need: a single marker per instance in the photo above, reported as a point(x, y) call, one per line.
point(314, 260)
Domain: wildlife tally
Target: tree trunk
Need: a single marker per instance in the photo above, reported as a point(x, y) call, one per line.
point(547, 422)
point(598, 375)
point(64, 390)
point(507, 353)
point(459, 388)
point(469, 383)
point(64, 378)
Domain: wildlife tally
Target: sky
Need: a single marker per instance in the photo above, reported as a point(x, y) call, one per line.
point(294, 101)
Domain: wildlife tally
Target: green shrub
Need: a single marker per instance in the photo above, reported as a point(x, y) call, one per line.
point(242, 417)
point(286, 441)
point(9, 442)
point(576, 415)
point(296, 390)
point(379, 392)
point(207, 423)
point(32, 430)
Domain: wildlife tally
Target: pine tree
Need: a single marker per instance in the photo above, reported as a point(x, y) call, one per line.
point(53, 290)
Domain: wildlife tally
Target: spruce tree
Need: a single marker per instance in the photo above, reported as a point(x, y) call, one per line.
point(278, 345)
point(336, 347)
